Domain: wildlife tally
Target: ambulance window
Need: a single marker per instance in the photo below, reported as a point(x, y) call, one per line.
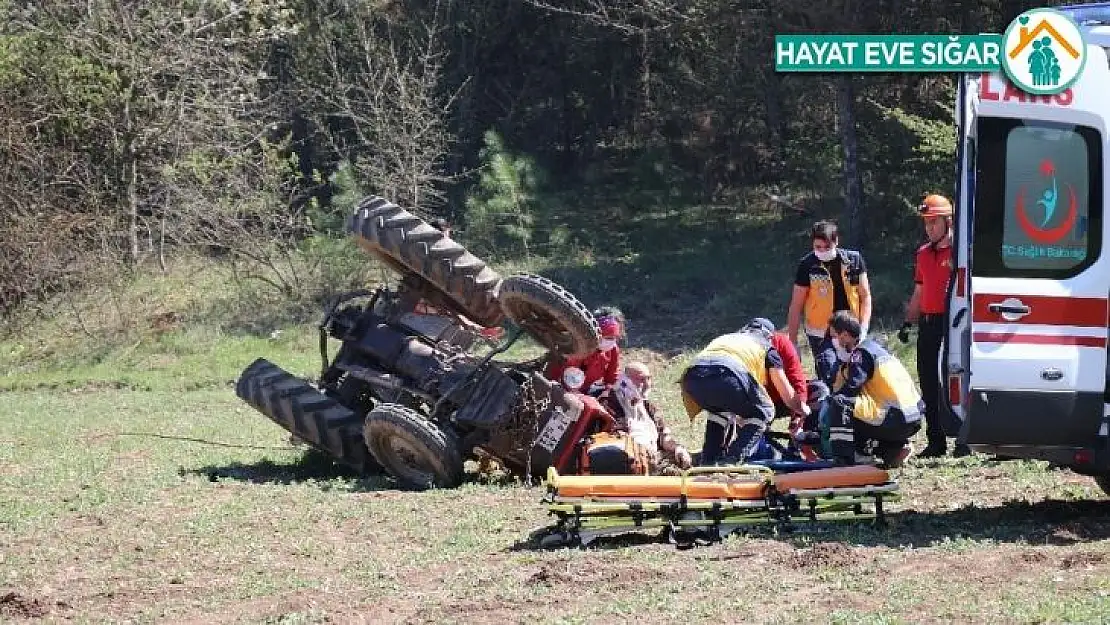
point(1038, 199)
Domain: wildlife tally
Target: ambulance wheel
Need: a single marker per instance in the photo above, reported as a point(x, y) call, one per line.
point(1103, 482)
point(414, 450)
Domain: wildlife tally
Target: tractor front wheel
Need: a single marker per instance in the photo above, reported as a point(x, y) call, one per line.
point(413, 449)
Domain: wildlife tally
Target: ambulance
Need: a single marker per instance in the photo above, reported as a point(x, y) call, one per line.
point(1025, 361)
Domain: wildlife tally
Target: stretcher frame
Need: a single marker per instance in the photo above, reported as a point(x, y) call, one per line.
point(686, 521)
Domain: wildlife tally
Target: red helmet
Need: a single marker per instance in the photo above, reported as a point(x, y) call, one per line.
point(935, 206)
point(610, 328)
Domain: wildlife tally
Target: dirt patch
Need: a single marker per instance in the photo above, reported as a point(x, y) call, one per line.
point(549, 576)
point(15, 605)
point(481, 611)
point(985, 567)
point(1034, 557)
point(165, 322)
point(828, 555)
point(1082, 560)
point(599, 575)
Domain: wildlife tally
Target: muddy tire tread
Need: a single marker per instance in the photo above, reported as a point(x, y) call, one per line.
point(305, 412)
point(412, 247)
point(522, 294)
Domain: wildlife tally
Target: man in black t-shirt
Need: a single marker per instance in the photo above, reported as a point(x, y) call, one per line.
point(828, 279)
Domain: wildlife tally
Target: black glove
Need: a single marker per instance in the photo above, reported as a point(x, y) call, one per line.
point(904, 332)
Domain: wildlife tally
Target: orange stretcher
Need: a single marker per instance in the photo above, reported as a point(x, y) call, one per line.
point(707, 503)
point(705, 485)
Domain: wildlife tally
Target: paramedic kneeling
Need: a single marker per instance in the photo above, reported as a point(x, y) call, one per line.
point(729, 380)
point(875, 408)
point(933, 269)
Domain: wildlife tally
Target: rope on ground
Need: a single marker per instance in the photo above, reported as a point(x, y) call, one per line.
point(193, 440)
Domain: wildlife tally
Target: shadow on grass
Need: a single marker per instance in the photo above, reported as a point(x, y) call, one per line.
point(319, 468)
point(1048, 522)
point(312, 466)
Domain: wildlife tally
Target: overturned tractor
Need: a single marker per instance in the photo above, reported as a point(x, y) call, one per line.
point(409, 392)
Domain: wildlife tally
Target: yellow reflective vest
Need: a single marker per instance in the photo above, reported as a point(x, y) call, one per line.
point(888, 385)
point(820, 299)
point(742, 352)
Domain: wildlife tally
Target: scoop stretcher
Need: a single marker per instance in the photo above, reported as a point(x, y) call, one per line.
point(705, 504)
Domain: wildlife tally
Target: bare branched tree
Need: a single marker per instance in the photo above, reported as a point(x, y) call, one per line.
point(631, 17)
point(153, 81)
point(380, 100)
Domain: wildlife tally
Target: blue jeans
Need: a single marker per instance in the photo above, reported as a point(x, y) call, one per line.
point(816, 344)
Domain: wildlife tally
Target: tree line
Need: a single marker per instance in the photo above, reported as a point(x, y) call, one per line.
point(246, 128)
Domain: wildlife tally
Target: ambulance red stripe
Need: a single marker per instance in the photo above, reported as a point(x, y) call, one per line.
point(1039, 339)
point(1046, 310)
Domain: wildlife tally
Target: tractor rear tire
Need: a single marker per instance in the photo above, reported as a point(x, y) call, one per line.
point(311, 416)
point(398, 437)
point(1103, 482)
point(549, 313)
point(412, 247)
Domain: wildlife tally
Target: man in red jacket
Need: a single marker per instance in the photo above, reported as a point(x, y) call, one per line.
point(792, 365)
point(796, 375)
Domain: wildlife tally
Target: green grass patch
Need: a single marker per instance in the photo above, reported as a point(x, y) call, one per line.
point(138, 488)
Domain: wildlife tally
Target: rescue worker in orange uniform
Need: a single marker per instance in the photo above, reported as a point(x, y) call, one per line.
point(932, 271)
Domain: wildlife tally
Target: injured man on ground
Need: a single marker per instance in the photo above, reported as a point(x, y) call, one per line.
point(642, 443)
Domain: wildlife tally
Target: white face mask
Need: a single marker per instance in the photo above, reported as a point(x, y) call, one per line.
point(826, 255)
point(842, 354)
point(608, 344)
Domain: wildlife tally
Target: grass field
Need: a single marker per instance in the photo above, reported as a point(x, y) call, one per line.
point(135, 487)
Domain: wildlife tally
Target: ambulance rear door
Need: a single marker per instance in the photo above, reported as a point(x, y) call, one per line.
point(1039, 278)
point(956, 356)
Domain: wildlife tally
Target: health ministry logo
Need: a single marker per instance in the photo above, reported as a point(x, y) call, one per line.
point(1044, 51)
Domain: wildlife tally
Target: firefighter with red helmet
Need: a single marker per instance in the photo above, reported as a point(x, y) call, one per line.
point(926, 308)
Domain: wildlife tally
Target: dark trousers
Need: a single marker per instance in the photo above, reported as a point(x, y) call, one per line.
point(848, 435)
point(825, 360)
point(816, 344)
point(930, 335)
point(727, 395)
